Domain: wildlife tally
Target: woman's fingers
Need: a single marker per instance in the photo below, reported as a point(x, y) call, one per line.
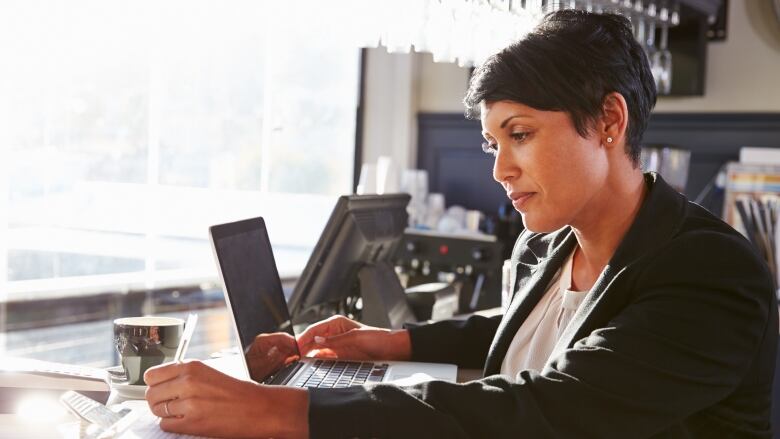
point(308, 334)
point(337, 342)
point(171, 389)
point(177, 425)
point(341, 337)
point(185, 381)
point(170, 408)
point(323, 353)
point(355, 344)
point(165, 398)
point(164, 372)
point(328, 327)
point(184, 416)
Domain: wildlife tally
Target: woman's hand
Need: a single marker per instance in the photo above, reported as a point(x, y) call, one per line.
point(192, 398)
point(340, 337)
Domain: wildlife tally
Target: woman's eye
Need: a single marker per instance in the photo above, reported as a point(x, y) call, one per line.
point(489, 148)
point(519, 136)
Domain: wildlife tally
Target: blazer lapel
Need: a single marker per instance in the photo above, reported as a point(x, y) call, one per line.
point(533, 280)
point(572, 332)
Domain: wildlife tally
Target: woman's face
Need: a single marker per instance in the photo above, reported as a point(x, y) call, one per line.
point(547, 169)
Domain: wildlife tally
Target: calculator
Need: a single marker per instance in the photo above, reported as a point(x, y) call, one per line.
point(89, 410)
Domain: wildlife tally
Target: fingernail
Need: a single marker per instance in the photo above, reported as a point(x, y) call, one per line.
point(319, 340)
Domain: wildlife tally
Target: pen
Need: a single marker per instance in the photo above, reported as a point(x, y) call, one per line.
point(189, 329)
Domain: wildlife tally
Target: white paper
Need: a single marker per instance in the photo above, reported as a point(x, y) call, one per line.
point(147, 426)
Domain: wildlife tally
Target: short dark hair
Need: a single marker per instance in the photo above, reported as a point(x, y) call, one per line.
point(570, 62)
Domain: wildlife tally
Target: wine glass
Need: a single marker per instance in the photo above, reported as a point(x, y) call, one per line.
point(650, 22)
point(639, 22)
point(587, 6)
point(662, 62)
point(553, 5)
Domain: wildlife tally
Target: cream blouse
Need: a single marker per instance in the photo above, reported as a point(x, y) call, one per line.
point(536, 338)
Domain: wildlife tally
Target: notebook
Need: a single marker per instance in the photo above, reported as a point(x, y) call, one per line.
point(22, 377)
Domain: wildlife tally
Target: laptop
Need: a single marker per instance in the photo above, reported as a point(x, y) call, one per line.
point(253, 292)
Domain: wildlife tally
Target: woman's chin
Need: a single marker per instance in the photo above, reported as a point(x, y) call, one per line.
point(539, 225)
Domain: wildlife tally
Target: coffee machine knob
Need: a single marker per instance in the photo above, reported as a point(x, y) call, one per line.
point(479, 254)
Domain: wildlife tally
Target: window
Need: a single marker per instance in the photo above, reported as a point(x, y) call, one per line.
point(129, 128)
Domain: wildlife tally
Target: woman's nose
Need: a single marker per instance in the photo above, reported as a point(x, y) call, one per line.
point(504, 168)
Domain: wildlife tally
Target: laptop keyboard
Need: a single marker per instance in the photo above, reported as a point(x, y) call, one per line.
point(337, 374)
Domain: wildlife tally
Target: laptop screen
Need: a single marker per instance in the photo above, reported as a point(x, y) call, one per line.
point(255, 295)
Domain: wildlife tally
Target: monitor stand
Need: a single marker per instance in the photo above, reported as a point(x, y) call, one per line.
point(384, 299)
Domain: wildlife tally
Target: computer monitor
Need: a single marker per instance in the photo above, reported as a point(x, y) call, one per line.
point(351, 269)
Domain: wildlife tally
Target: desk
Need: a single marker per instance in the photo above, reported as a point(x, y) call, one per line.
point(14, 427)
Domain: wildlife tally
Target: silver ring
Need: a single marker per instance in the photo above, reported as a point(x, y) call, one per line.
point(165, 405)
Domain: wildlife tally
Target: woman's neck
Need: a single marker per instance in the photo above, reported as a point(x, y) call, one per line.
point(600, 230)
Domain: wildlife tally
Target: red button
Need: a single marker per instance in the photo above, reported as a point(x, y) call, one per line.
point(443, 249)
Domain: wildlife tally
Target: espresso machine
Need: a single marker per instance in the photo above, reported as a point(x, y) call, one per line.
point(470, 263)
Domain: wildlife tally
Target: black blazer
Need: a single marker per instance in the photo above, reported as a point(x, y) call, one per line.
point(676, 339)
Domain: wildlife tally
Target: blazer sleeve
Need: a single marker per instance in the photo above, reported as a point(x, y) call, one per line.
point(462, 342)
point(682, 344)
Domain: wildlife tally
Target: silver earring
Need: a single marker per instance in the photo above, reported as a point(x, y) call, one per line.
point(609, 139)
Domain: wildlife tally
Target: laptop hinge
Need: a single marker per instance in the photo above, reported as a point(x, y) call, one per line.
point(285, 374)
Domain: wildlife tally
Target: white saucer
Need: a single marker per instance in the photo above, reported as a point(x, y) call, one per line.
point(130, 391)
point(127, 391)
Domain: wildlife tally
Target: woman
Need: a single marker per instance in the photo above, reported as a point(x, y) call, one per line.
point(636, 313)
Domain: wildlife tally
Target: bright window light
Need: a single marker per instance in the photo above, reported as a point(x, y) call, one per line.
point(130, 127)
point(41, 409)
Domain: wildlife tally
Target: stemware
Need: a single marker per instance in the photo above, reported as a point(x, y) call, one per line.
point(662, 62)
point(649, 37)
point(553, 5)
point(464, 32)
point(404, 18)
point(638, 21)
point(468, 31)
point(443, 31)
point(587, 5)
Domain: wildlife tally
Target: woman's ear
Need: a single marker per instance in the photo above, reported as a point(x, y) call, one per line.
point(614, 120)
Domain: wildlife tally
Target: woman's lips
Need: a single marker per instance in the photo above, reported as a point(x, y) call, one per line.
point(520, 199)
